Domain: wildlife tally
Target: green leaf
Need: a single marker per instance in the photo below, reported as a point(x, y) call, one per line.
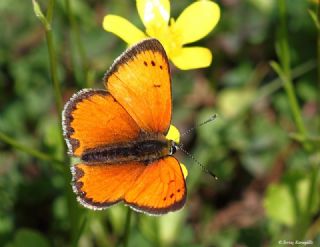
point(29, 238)
point(232, 101)
point(279, 205)
point(280, 200)
point(116, 216)
point(169, 226)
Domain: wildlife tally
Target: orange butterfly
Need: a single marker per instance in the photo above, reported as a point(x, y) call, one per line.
point(119, 134)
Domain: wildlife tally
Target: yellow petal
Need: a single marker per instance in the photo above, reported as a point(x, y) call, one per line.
point(154, 12)
point(192, 58)
point(197, 20)
point(173, 134)
point(122, 28)
point(184, 170)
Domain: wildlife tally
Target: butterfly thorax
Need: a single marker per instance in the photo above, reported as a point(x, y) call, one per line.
point(143, 150)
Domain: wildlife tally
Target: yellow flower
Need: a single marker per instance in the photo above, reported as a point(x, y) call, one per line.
point(195, 22)
point(174, 135)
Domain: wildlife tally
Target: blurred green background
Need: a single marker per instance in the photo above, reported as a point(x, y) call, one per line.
point(267, 164)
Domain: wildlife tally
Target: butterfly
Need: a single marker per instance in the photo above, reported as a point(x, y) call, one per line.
point(119, 134)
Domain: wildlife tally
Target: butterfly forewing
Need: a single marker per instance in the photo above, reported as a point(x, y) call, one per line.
point(93, 118)
point(140, 80)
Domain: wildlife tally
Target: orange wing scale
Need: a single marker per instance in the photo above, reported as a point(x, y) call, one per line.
point(93, 118)
point(154, 189)
point(140, 81)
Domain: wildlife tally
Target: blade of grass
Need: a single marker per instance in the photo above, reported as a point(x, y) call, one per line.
point(31, 151)
point(126, 233)
point(74, 211)
point(270, 88)
point(318, 59)
point(284, 71)
point(81, 50)
point(314, 168)
point(276, 84)
point(99, 230)
point(53, 61)
point(82, 226)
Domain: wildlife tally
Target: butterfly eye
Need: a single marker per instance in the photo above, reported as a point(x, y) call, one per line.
point(173, 149)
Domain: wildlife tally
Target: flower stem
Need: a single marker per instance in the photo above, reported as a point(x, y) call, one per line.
point(50, 9)
point(53, 63)
point(79, 44)
point(284, 57)
point(303, 214)
point(276, 84)
point(312, 189)
point(73, 208)
point(314, 171)
point(318, 59)
point(53, 72)
point(81, 227)
point(127, 228)
point(284, 72)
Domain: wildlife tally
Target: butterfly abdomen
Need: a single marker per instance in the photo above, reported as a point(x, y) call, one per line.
point(140, 150)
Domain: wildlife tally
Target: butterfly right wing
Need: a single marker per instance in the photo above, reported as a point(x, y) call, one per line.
point(92, 118)
point(140, 80)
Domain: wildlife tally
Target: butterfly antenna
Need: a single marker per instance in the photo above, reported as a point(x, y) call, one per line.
point(179, 146)
point(213, 117)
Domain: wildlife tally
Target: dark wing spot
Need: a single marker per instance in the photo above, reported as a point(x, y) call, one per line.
point(178, 190)
point(160, 66)
point(70, 131)
point(171, 195)
point(145, 63)
point(157, 85)
point(153, 63)
point(165, 198)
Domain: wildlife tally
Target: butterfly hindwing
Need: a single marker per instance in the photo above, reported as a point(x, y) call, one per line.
point(140, 80)
point(102, 185)
point(159, 189)
point(93, 118)
point(154, 189)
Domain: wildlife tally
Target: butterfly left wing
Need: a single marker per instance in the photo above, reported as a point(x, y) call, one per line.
point(93, 118)
point(102, 185)
point(140, 80)
point(159, 189)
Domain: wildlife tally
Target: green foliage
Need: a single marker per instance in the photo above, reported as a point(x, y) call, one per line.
point(28, 238)
point(264, 84)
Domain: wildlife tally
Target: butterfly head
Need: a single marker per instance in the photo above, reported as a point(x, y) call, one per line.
point(173, 147)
